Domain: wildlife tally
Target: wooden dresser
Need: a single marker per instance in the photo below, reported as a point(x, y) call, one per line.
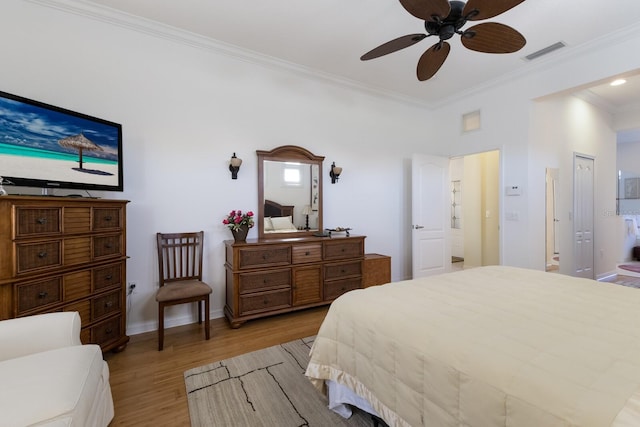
point(266, 277)
point(66, 254)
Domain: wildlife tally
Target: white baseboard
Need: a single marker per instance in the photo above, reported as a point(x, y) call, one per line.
point(142, 327)
point(606, 276)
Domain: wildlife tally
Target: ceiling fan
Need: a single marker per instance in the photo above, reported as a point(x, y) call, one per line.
point(444, 19)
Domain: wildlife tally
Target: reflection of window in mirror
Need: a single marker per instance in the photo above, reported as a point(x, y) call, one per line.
point(292, 175)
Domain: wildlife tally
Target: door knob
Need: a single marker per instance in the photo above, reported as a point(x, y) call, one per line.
point(418, 226)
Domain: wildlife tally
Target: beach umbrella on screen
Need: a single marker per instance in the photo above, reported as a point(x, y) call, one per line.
point(80, 143)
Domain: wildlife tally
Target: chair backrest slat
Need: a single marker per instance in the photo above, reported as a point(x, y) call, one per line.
point(180, 256)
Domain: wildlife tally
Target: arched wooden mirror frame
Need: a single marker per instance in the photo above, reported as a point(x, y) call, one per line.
point(288, 153)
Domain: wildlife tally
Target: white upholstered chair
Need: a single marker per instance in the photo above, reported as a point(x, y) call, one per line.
point(48, 378)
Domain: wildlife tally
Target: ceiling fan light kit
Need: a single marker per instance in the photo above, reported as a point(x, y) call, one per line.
point(445, 19)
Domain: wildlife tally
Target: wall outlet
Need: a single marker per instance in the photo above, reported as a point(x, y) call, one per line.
point(132, 286)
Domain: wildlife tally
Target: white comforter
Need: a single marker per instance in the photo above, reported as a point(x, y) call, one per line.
point(491, 346)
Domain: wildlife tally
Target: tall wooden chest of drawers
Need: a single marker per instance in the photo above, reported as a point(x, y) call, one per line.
point(266, 277)
point(66, 254)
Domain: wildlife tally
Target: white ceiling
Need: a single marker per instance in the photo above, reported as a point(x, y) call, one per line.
point(329, 36)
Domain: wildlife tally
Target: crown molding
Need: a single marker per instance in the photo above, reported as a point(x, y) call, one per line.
point(152, 28)
point(547, 62)
point(90, 10)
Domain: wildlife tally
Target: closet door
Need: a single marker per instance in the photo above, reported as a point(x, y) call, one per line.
point(583, 215)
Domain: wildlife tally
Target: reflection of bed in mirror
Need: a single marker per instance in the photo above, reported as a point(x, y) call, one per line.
point(272, 209)
point(278, 218)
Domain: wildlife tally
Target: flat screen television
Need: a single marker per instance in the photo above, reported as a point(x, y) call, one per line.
point(50, 147)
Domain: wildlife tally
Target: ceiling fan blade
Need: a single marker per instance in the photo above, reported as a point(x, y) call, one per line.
point(393, 46)
point(487, 8)
point(492, 37)
point(431, 61)
point(426, 9)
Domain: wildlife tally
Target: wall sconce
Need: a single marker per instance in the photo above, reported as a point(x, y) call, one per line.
point(306, 211)
point(335, 172)
point(234, 166)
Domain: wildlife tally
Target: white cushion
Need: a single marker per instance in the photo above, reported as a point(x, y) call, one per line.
point(268, 225)
point(283, 223)
point(53, 386)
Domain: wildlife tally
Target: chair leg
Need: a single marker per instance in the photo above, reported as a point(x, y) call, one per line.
point(207, 323)
point(160, 327)
point(200, 312)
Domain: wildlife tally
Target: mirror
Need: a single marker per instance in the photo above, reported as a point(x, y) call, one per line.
point(289, 192)
point(628, 193)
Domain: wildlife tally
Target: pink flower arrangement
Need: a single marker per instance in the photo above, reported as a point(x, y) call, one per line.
point(236, 219)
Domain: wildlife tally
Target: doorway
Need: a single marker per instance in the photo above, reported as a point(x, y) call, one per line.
point(475, 207)
point(476, 214)
point(552, 222)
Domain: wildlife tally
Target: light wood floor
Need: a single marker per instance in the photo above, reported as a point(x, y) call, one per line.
point(148, 386)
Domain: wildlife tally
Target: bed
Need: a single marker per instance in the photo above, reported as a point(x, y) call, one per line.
point(490, 346)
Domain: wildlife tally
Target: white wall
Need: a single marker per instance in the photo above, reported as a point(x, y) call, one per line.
point(565, 125)
point(511, 121)
point(186, 108)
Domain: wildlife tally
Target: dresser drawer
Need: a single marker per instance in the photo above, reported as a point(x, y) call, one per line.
point(336, 288)
point(106, 305)
point(31, 222)
point(306, 253)
point(260, 281)
point(106, 332)
point(265, 301)
point(107, 277)
point(34, 256)
point(337, 271)
point(34, 295)
point(107, 218)
point(107, 246)
point(343, 248)
point(264, 256)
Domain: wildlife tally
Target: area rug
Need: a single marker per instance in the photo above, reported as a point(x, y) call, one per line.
point(630, 267)
point(263, 388)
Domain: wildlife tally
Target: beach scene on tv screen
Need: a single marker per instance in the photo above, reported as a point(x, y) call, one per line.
point(45, 144)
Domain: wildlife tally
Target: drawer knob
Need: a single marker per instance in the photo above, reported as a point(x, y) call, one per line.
point(264, 256)
point(42, 254)
point(108, 218)
point(307, 253)
point(265, 302)
point(108, 330)
point(108, 304)
point(343, 271)
point(108, 245)
point(43, 294)
point(41, 221)
point(108, 277)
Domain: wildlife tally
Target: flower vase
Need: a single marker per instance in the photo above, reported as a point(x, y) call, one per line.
point(240, 235)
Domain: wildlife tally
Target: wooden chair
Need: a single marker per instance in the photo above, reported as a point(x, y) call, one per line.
point(180, 263)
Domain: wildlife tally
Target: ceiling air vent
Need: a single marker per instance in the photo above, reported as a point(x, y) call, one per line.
point(544, 51)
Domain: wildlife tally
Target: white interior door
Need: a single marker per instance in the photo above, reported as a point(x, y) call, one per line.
point(431, 223)
point(583, 216)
